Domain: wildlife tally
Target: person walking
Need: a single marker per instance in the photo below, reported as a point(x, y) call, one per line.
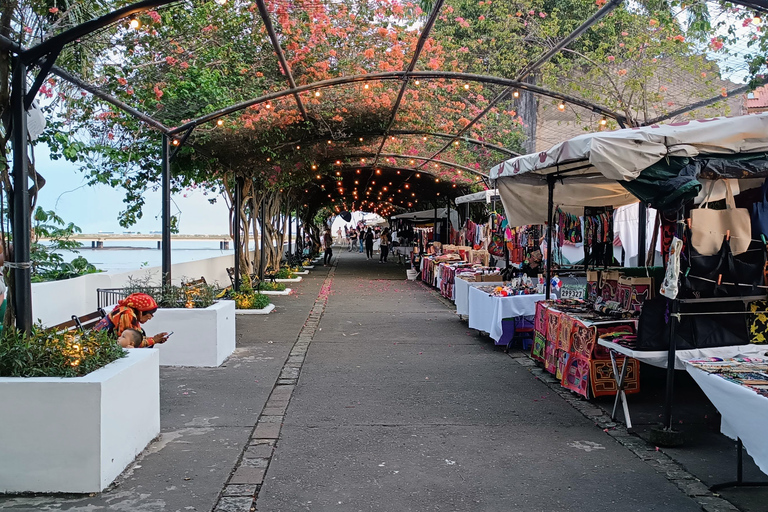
point(327, 243)
point(369, 244)
point(361, 237)
point(352, 239)
point(384, 245)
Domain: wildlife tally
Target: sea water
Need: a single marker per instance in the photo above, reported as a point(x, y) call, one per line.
point(121, 256)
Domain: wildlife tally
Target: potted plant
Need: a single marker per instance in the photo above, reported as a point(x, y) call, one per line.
point(284, 275)
point(249, 302)
point(73, 427)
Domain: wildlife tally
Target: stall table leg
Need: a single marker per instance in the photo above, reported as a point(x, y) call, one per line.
point(619, 376)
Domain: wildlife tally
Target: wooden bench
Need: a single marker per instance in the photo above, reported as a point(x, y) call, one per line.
point(255, 281)
point(197, 283)
point(80, 323)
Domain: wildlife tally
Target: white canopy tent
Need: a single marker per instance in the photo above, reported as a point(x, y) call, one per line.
point(428, 216)
point(596, 163)
point(486, 196)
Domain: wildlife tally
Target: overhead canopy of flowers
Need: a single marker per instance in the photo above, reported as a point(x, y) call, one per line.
point(333, 100)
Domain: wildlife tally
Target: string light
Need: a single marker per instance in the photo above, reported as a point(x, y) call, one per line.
point(466, 87)
point(338, 173)
point(134, 23)
point(298, 147)
point(603, 121)
point(455, 143)
point(175, 142)
point(417, 82)
point(268, 105)
point(378, 171)
point(317, 94)
point(366, 86)
point(361, 139)
point(220, 122)
point(561, 106)
point(418, 175)
point(329, 142)
point(314, 167)
point(318, 176)
point(269, 159)
point(515, 94)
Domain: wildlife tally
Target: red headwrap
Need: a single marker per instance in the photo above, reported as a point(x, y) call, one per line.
point(139, 301)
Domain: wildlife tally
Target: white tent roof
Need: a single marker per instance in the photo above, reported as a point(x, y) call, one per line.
point(478, 197)
point(599, 161)
point(427, 215)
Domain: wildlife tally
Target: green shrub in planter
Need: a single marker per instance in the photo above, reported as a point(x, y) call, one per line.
point(284, 273)
point(44, 353)
point(250, 300)
point(270, 286)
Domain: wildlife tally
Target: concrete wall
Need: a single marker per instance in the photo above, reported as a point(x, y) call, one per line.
point(56, 301)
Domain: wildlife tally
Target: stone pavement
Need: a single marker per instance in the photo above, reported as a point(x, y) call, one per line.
point(365, 392)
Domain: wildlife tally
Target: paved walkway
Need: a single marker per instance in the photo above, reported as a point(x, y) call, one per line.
point(365, 392)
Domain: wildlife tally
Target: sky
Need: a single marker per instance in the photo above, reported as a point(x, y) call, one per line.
point(96, 208)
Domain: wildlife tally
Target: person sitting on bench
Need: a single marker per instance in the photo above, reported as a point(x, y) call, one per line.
point(130, 313)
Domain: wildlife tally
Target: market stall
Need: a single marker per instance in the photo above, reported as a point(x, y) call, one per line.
point(486, 310)
point(714, 261)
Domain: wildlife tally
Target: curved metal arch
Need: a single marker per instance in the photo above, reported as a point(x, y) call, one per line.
point(398, 75)
point(407, 132)
point(407, 157)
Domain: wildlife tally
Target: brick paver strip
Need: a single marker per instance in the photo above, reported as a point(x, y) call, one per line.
point(242, 489)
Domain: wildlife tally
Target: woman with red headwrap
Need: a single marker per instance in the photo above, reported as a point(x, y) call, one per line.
point(130, 313)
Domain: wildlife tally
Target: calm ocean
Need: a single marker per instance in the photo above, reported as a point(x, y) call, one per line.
point(126, 256)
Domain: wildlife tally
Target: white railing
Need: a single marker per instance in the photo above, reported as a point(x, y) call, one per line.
point(56, 301)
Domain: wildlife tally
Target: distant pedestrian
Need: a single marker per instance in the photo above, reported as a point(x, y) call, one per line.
point(361, 237)
point(384, 245)
point(327, 243)
point(352, 239)
point(369, 244)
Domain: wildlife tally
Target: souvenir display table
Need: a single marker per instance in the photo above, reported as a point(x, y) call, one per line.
point(461, 294)
point(486, 311)
point(565, 340)
point(659, 357)
point(738, 388)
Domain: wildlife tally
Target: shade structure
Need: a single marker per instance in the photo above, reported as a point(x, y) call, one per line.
point(485, 196)
point(601, 166)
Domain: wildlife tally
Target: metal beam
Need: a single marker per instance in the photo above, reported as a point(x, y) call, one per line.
point(411, 66)
point(612, 4)
point(468, 140)
point(280, 56)
point(22, 273)
point(45, 66)
point(396, 155)
point(702, 103)
point(57, 42)
point(398, 75)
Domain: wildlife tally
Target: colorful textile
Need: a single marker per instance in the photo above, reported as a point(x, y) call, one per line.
point(550, 358)
point(553, 325)
point(583, 340)
point(539, 347)
point(576, 375)
point(540, 320)
point(758, 326)
point(603, 382)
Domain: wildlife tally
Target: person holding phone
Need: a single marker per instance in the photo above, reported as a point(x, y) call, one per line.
point(130, 313)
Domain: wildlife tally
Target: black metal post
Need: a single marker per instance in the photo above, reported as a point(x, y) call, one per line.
point(236, 230)
point(165, 172)
point(262, 214)
point(22, 273)
point(674, 308)
point(642, 219)
point(447, 220)
point(290, 228)
point(550, 211)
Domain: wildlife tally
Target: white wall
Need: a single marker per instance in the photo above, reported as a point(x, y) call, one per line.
point(56, 301)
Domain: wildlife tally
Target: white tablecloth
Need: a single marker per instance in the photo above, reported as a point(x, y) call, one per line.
point(461, 294)
point(486, 312)
point(659, 357)
point(744, 413)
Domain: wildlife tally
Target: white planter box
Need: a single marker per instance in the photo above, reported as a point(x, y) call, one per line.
point(78, 434)
point(263, 311)
point(287, 291)
point(202, 337)
point(302, 273)
point(308, 266)
point(294, 280)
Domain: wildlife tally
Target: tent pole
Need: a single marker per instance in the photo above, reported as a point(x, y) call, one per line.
point(550, 209)
point(236, 230)
point(642, 219)
point(434, 225)
point(448, 220)
point(674, 308)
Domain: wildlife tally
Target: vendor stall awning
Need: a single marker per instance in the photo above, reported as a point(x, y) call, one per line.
point(623, 154)
point(602, 168)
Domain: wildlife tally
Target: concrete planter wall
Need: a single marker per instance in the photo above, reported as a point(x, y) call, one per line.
point(201, 337)
point(78, 434)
